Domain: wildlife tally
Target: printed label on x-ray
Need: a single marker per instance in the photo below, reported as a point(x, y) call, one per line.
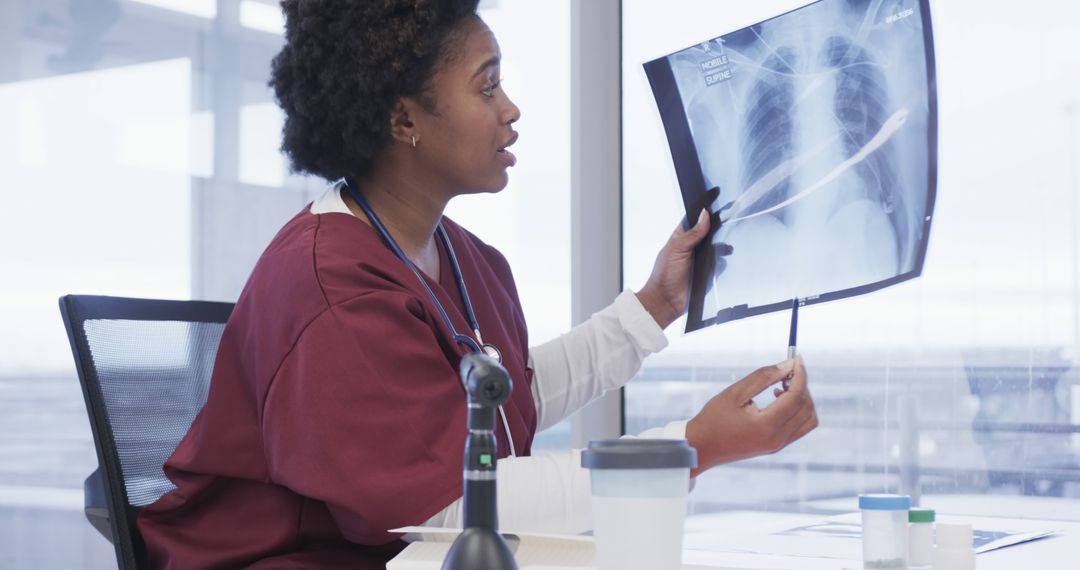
point(716, 69)
point(719, 76)
point(899, 16)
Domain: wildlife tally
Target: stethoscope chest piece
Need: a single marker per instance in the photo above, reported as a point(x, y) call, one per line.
point(491, 351)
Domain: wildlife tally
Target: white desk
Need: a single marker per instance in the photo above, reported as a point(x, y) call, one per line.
point(1061, 551)
point(713, 541)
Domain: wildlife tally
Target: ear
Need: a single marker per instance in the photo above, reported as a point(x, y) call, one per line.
point(402, 127)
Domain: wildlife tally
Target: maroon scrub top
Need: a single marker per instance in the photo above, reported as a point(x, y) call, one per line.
point(335, 409)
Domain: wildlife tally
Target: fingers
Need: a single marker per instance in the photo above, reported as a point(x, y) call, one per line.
point(757, 381)
point(797, 383)
point(801, 414)
point(786, 429)
point(804, 418)
point(791, 416)
point(807, 427)
point(788, 403)
point(690, 237)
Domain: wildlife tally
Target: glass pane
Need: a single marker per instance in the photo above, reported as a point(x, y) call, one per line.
point(140, 158)
point(529, 221)
point(134, 132)
point(957, 387)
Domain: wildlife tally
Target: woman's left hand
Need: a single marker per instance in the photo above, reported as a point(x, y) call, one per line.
point(664, 294)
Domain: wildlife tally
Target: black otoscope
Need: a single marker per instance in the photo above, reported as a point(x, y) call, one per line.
point(480, 545)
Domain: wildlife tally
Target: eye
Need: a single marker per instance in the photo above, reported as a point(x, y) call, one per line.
point(489, 91)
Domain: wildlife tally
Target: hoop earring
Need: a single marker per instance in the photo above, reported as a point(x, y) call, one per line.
point(413, 137)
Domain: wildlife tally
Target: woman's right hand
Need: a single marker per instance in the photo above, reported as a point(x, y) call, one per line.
point(731, 426)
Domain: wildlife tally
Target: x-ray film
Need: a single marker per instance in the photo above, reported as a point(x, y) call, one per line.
point(812, 140)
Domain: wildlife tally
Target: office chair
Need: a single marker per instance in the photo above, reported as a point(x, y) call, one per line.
point(144, 366)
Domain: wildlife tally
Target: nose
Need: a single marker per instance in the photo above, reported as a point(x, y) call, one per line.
point(512, 113)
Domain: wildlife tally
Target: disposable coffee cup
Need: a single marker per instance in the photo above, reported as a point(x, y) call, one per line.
point(639, 496)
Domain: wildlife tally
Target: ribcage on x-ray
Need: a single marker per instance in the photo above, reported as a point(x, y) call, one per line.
point(768, 137)
point(861, 106)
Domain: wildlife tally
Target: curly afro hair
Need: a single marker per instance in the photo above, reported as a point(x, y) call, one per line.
point(344, 66)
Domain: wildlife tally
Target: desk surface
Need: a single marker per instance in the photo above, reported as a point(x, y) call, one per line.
point(1058, 551)
point(742, 540)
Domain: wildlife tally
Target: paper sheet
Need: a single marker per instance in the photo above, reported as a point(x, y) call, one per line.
point(836, 537)
point(534, 551)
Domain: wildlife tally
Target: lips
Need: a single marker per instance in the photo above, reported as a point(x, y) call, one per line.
point(513, 139)
point(508, 156)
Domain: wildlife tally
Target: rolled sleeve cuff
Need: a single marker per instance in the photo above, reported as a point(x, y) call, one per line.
point(638, 323)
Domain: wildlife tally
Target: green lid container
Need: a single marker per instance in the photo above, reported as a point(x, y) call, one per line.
point(918, 515)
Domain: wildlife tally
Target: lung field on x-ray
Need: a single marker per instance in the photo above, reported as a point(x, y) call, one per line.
point(769, 128)
point(814, 202)
point(779, 124)
point(861, 107)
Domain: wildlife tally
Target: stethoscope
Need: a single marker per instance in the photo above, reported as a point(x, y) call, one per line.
point(474, 345)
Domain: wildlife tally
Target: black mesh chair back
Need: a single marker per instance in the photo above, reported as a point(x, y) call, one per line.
point(144, 366)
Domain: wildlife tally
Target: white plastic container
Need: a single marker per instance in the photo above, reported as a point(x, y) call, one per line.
point(885, 531)
point(920, 539)
point(955, 547)
point(639, 500)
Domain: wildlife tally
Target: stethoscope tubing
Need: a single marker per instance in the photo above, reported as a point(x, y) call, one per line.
point(472, 344)
point(393, 245)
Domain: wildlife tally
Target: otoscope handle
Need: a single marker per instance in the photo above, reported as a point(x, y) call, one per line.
point(479, 494)
point(480, 546)
point(488, 386)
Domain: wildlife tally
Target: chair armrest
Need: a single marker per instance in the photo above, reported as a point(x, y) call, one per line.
point(96, 505)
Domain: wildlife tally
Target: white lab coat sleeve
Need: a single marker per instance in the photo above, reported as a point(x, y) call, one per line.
point(545, 493)
point(601, 354)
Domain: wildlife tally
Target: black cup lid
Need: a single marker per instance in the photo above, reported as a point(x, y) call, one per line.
point(639, 454)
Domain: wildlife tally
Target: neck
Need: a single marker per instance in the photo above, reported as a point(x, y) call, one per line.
point(408, 206)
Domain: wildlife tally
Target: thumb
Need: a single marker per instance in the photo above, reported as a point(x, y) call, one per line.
point(691, 237)
point(760, 379)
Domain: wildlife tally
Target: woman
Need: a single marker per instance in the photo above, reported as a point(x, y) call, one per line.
point(335, 410)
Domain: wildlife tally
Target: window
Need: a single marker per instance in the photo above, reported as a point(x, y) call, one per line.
point(135, 134)
point(953, 387)
point(529, 221)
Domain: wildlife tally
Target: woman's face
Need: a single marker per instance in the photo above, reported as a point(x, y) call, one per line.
point(464, 141)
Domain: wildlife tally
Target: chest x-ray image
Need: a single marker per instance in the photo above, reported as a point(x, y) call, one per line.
point(811, 138)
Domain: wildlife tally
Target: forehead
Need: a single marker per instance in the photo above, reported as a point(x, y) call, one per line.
point(476, 47)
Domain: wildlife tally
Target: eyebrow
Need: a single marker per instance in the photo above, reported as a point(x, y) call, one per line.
point(490, 62)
